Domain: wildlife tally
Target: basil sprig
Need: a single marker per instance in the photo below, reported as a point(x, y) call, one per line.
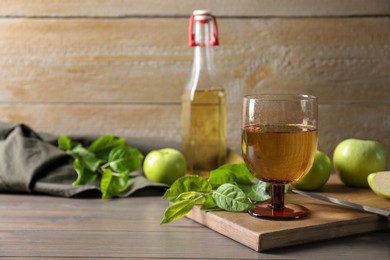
point(231, 187)
point(109, 158)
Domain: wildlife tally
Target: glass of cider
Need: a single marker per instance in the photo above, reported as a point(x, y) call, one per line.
point(279, 142)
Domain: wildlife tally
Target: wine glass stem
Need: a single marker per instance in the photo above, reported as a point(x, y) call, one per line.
point(277, 196)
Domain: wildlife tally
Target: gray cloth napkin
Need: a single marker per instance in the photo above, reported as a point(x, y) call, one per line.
point(30, 162)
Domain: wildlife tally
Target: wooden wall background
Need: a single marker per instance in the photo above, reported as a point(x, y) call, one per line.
point(119, 66)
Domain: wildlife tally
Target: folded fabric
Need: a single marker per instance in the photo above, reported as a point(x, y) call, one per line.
point(30, 162)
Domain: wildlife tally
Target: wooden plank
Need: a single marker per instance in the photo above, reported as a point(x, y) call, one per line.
point(50, 228)
point(325, 221)
point(92, 244)
point(160, 122)
point(117, 8)
point(45, 214)
point(131, 61)
point(119, 62)
point(58, 227)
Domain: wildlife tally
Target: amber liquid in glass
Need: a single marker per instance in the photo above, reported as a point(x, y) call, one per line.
point(204, 131)
point(279, 154)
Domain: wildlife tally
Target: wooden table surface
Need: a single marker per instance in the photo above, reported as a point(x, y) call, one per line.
point(44, 227)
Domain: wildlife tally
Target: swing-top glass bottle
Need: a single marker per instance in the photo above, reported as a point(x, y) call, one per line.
point(204, 101)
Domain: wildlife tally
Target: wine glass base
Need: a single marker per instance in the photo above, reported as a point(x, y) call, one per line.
point(289, 212)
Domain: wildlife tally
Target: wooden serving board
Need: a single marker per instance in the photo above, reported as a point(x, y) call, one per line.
point(325, 221)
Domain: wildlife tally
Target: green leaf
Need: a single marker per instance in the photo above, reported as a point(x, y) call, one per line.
point(187, 195)
point(108, 155)
point(111, 185)
point(221, 176)
point(210, 205)
point(187, 183)
point(231, 198)
point(103, 145)
point(136, 156)
point(124, 159)
point(86, 157)
point(180, 208)
point(241, 172)
point(85, 176)
point(256, 191)
point(126, 188)
point(199, 196)
point(177, 210)
point(64, 143)
point(230, 173)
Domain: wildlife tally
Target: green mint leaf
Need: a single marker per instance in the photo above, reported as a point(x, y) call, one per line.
point(136, 156)
point(231, 198)
point(126, 188)
point(180, 208)
point(257, 191)
point(102, 146)
point(124, 159)
point(185, 184)
point(177, 210)
point(108, 155)
point(107, 185)
point(210, 205)
point(122, 166)
point(111, 185)
point(187, 195)
point(64, 143)
point(85, 176)
point(230, 173)
point(221, 176)
point(199, 196)
point(86, 157)
point(241, 172)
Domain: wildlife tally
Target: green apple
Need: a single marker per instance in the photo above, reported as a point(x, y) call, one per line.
point(379, 183)
point(318, 175)
point(164, 165)
point(355, 159)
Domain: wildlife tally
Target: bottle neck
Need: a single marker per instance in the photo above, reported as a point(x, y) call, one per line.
point(204, 50)
point(204, 59)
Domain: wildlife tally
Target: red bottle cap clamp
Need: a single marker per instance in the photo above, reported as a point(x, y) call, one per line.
point(202, 16)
